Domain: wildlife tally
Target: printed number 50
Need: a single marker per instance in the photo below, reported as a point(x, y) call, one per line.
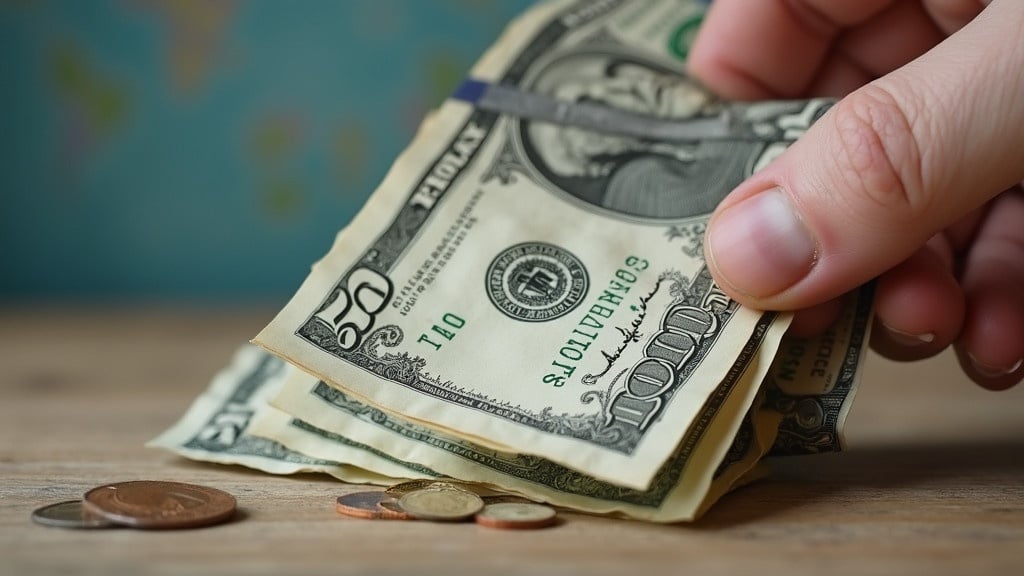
point(352, 312)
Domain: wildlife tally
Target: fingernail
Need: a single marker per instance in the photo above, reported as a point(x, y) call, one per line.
point(760, 245)
point(908, 338)
point(990, 371)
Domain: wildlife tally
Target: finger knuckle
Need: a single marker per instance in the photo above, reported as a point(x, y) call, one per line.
point(879, 156)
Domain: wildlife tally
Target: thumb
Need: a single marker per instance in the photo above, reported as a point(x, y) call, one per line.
point(884, 170)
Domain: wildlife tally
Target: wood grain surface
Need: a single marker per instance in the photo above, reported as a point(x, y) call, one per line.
point(933, 484)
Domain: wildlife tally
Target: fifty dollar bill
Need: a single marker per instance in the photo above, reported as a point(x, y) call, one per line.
point(540, 289)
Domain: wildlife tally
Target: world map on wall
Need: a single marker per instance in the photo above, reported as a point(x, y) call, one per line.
point(198, 148)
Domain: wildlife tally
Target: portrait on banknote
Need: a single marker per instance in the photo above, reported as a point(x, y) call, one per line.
point(632, 177)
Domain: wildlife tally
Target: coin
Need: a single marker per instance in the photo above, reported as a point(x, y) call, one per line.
point(516, 516)
point(68, 514)
point(374, 505)
point(152, 504)
point(391, 505)
point(399, 490)
point(441, 503)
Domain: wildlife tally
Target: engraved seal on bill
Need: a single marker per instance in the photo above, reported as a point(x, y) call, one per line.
point(536, 282)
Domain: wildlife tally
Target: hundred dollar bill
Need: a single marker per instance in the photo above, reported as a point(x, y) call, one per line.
point(326, 422)
point(216, 427)
point(540, 289)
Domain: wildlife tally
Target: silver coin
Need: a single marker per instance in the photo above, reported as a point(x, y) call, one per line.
point(68, 514)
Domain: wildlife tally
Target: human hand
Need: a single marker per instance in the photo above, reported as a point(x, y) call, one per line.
point(913, 177)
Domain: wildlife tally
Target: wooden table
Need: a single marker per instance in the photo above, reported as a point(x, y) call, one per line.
point(934, 483)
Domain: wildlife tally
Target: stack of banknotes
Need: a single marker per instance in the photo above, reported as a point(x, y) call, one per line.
point(524, 302)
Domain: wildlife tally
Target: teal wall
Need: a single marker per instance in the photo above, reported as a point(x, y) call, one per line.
point(207, 150)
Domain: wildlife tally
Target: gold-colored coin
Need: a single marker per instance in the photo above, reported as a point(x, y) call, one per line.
point(441, 504)
point(399, 490)
point(516, 516)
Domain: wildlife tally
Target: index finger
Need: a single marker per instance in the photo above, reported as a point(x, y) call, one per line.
point(771, 48)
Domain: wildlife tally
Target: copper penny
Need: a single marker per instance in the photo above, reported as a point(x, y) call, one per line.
point(369, 505)
point(391, 505)
point(516, 516)
point(68, 514)
point(151, 504)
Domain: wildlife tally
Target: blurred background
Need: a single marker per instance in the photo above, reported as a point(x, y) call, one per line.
point(207, 150)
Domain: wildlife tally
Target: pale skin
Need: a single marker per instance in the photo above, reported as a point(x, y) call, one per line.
point(913, 178)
